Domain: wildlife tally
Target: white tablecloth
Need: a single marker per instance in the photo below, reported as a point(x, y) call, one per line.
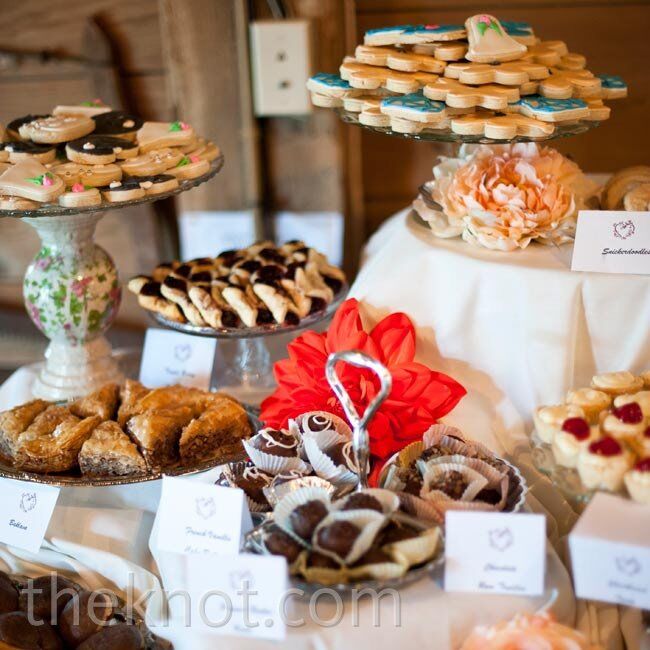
point(522, 319)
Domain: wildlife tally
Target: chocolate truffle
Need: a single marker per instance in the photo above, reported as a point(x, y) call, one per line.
point(253, 481)
point(279, 543)
point(361, 501)
point(17, 632)
point(8, 594)
point(435, 452)
point(83, 616)
point(342, 453)
point(453, 484)
point(306, 517)
point(289, 475)
point(373, 556)
point(398, 533)
point(319, 561)
point(112, 637)
point(277, 443)
point(318, 422)
point(489, 495)
point(412, 480)
point(338, 537)
point(47, 595)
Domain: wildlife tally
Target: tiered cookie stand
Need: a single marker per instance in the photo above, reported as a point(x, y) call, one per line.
point(72, 293)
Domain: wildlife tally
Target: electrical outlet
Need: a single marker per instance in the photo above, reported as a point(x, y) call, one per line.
point(280, 61)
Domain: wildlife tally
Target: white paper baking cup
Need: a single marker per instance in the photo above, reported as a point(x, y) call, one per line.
point(275, 493)
point(435, 432)
point(425, 511)
point(476, 482)
point(291, 501)
point(410, 453)
point(370, 523)
point(299, 425)
point(389, 501)
point(273, 464)
point(315, 446)
point(415, 550)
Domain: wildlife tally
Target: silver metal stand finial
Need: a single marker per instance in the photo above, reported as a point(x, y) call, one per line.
point(360, 437)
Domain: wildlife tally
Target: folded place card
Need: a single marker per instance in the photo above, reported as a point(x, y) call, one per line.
point(195, 517)
point(172, 357)
point(610, 552)
point(25, 513)
point(612, 242)
point(493, 552)
point(243, 595)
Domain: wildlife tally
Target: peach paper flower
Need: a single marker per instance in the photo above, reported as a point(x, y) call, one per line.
point(503, 197)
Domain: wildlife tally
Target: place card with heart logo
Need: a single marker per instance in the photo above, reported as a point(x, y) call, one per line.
point(609, 241)
point(25, 513)
point(610, 552)
point(494, 552)
point(195, 517)
point(172, 357)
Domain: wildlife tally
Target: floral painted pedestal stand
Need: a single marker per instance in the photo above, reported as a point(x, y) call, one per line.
point(72, 293)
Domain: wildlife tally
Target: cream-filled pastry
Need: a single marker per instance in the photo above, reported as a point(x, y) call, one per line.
point(617, 383)
point(624, 422)
point(590, 400)
point(642, 398)
point(637, 481)
point(575, 435)
point(549, 419)
point(602, 465)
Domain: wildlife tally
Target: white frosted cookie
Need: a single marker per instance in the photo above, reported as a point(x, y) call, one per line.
point(590, 400)
point(190, 167)
point(156, 135)
point(80, 196)
point(126, 190)
point(617, 383)
point(603, 464)
point(31, 180)
point(152, 162)
point(549, 419)
point(58, 128)
point(489, 42)
point(90, 175)
point(86, 109)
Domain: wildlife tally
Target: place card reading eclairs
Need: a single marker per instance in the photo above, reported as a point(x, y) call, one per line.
point(196, 517)
point(496, 553)
point(175, 358)
point(612, 242)
point(610, 552)
point(25, 513)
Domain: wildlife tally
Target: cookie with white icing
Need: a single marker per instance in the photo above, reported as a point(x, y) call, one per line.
point(415, 107)
point(87, 109)
point(90, 175)
point(124, 190)
point(31, 180)
point(414, 34)
point(489, 41)
point(612, 86)
point(56, 129)
point(189, 167)
point(157, 135)
point(16, 151)
point(548, 109)
point(80, 196)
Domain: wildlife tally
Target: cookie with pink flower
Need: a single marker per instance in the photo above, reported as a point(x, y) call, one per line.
point(29, 179)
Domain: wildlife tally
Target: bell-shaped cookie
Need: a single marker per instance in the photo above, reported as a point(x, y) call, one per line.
point(489, 42)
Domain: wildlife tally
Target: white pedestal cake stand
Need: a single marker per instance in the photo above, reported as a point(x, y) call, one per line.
point(72, 293)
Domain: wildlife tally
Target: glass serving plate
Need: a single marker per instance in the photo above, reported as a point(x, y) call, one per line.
point(55, 210)
point(447, 135)
point(75, 479)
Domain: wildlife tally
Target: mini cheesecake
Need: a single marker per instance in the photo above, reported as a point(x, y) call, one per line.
point(624, 422)
point(591, 401)
point(617, 383)
point(637, 481)
point(575, 435)
point(603, 464)
point(549, 419)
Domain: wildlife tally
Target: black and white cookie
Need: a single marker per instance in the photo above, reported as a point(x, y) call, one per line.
point(157, 183)
point(124, 190)
point(14, 126)
point(117, 123)
point(150, 298)
point(17, 151)
point(100, 149)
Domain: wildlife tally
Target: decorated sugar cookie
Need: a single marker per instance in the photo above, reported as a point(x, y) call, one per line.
point(370, 77)
point(90, 175)
point(415, 107)
point(612, 86)
point(455, 94)
point(100, 149)
point(563, 84)
point(521, 31)
point(55, 129)
point(598, 112)
point(13, 128)
point(489, 42)
point(511, 73)
point(548, 109)
point(80, 196)
point(547, 53)
point(330, 85)
point(21, 150)
point(501, 127)
point(190, 167)
point(152, 162)
point(88, 109)
point(117, 123)
point(411, 34)
point(31, 180)
point(156, 135)
point(8, 202)
point(442, 50)
point(125, 190)
point(357, 104)
point(396, 60)
point(157, 184)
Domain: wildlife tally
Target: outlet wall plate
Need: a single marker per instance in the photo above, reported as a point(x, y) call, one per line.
point(281, 65)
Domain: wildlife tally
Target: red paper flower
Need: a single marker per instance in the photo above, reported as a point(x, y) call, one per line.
point(419, 396)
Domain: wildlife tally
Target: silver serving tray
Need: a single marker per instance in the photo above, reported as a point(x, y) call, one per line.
point(76, 479)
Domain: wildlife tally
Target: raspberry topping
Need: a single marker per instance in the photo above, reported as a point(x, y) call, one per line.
point(629, 413)
point(578, 427)
point(643, 465)
point(605, 447)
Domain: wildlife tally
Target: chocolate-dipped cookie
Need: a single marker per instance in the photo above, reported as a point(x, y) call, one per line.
point(14, 126)
point(117, 123)
point(124, 190)
point(306, 517)
point(100, 149)
point(19, 150)
point(157, 184)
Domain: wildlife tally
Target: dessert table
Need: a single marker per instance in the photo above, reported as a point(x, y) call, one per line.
point(522, 318)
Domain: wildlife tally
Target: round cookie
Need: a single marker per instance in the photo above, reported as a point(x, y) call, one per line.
point(157, 184)
point(13, 128)
point(80, 196)
point(89, 175)
point(189, 167)
point(152, 162)
point(56, 129)
point(17, 151)
point(117, 123)
point(127, 190)
point(100, 149)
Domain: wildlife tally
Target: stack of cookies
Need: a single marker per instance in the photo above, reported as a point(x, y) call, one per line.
point(262, 285)
point(82, 155)
point(484, 78)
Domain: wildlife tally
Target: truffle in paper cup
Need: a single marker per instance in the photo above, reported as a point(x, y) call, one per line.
point(416, 550)
point(285, 546)
point(291, 501)
point(316, 445)
point(272, 463)
point(275, 492)
point(317, 421)
point(368, 523)
point(475, 482)
point(239, 475)
point(388, 501)
point(410, 454)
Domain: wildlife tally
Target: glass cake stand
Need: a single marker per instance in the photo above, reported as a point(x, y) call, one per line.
point(72, 293)
point(249, 375)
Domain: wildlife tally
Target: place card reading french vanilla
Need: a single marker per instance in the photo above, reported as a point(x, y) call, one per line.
point(25, 513)
point(195, 517)
point(610, 552)
point(172, 357)
point(495, 553)
point(610, 241)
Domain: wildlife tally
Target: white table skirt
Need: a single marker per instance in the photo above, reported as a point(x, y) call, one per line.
point(522, 321)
